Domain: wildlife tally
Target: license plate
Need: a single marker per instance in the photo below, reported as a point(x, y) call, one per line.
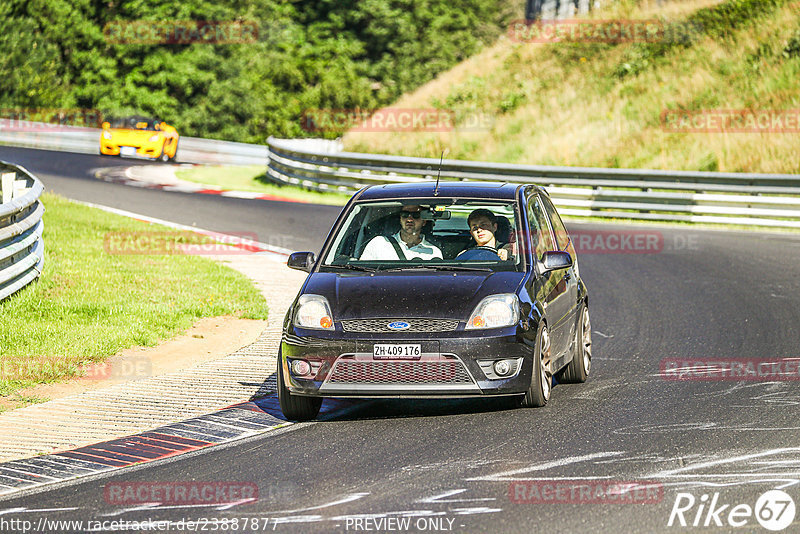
point(127, 151)
point(394, 351)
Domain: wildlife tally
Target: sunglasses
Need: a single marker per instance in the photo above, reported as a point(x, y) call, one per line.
point(415, 214)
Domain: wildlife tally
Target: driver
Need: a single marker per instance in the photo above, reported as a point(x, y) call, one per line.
point(409, 243)
point(483, 226)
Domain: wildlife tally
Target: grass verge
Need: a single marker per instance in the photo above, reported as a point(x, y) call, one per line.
point(89, 304)
point(252, 178)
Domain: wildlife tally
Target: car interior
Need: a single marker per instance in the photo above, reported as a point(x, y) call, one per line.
point(451, 236)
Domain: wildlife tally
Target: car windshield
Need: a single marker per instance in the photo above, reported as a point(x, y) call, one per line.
point(134, 123)
point(424, 234)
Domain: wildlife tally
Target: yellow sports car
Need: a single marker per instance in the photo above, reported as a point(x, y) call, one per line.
point(139, 137)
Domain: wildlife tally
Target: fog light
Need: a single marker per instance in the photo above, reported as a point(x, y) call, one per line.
point(502, 367)
point(301, 367)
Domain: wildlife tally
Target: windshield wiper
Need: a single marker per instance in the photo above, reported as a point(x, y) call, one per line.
point(350, 267)
point(460, 268)
point(439, 268)
point(409, 268)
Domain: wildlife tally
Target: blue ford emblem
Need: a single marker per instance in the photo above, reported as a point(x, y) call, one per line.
point(399, 325)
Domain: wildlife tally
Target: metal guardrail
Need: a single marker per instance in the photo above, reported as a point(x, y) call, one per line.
point(709, 197)
point(21, 226)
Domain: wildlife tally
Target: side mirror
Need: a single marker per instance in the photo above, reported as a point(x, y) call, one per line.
point(106, 125)
point(302, 261)
point(555, 260)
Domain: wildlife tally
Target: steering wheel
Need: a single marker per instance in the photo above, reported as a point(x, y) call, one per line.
point(480, 254)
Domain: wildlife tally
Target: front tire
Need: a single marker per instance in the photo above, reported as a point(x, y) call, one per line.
point(295, 407)
point(164, 157)
point(541, 380)
point(578, 368)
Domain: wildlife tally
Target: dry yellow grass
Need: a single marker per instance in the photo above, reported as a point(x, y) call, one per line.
point(565, 106)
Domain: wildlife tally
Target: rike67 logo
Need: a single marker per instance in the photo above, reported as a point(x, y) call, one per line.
point(774, 510)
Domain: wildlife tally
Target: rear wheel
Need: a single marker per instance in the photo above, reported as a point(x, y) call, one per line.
point(296, 407)
point(541, 380)
point(578, 368)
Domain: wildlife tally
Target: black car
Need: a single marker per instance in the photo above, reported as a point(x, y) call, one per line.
point(462, 289)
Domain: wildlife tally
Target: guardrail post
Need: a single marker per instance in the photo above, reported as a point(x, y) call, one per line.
point(7, 187)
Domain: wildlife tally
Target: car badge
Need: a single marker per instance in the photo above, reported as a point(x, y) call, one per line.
point(399, 325)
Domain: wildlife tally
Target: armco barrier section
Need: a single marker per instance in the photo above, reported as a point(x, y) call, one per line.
point(709, 197)
point(21, 226)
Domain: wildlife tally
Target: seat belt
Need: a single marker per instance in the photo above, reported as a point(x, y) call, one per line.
point(396, 245)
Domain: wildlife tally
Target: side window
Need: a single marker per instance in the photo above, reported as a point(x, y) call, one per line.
point(562, 236)
point(540, 231)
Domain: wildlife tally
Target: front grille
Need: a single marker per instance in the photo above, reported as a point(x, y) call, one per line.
point(397, 372)
point(416, 325)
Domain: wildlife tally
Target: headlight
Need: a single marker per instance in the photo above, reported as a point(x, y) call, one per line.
point(106, 135)
point(313, 312)
point(154, 138)
point(495, 311)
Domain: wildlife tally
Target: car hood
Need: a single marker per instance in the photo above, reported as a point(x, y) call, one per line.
point(409, 295)
point(132, 136)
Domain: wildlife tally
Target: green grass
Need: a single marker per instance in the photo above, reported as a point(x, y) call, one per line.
point(89, 304)
point(252, 178)
point(19, 401)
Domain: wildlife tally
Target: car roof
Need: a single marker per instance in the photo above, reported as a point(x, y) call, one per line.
point(487, 190)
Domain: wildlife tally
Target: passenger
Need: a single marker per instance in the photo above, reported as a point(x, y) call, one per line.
point(409, 243)
point(483, 227)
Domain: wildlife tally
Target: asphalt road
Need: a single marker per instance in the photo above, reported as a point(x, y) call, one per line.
point(479, 466)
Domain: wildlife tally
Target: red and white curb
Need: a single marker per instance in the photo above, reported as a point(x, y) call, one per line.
point(229, 424)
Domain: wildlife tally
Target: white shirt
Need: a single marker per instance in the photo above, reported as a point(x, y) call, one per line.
point(379, 248)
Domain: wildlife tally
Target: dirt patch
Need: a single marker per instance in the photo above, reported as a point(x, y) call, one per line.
point(207, 340)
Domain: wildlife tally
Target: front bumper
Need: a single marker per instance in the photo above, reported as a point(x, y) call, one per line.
point(448, 366)
point(146, 150)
